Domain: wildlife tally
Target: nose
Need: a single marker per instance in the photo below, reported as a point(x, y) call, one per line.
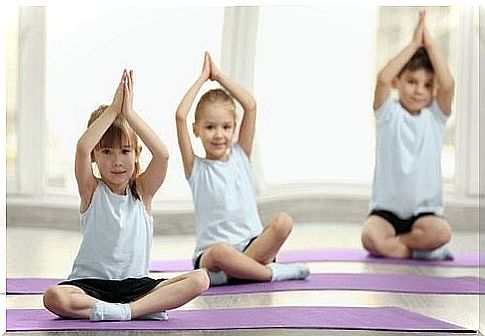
point(419, 89)
point(219, 132)
point(117, 159)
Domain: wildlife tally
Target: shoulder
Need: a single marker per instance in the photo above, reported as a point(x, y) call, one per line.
point(199, 163)
point(437, 113)
point(238, 152)
point(387, 109)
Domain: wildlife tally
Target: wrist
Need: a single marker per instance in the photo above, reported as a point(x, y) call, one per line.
point(216, 77)
point(112, 111)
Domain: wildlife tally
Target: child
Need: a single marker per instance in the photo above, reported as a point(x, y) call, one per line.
point(406, 203)
point(231, 242)
point(109, 277)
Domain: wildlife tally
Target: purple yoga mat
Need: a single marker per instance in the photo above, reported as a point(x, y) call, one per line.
point(348, 318)
point(461, 259)
point(403, 283)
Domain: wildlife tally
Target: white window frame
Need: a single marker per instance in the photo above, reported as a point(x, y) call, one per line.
point(467, 84)
point(31, 112)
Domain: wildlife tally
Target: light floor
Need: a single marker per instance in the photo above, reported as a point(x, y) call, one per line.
point(49, 253)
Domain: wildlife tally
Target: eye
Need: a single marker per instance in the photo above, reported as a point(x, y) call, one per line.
point(126, 151)
point(228, 127)
point(209, 127)
point(106, 151)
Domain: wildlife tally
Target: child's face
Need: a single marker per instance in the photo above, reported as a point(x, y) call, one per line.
point(415, 89)
point(215, 128)
point(116, 166)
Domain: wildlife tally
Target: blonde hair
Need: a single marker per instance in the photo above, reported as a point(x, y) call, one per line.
point(214, 96)
point(115, 136)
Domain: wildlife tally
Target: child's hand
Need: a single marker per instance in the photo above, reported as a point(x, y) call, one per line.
point(128, 93)
point(117, 103)
point(206, 69)
point(214, 70)
point(418, 36)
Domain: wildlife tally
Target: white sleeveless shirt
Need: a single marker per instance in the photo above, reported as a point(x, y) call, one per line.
point(117, 236)
point(224, 200)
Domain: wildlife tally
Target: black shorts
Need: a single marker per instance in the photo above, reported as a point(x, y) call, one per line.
point(115, 291)
point(400, 225)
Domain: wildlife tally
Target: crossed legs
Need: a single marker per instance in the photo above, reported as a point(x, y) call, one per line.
point(427, 233)
point(250, 264)
point(72, 302)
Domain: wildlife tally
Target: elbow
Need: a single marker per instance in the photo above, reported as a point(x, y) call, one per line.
point(163, 154)
point(82, 149)
point(251, 106)
point(384, 79)
point(180, 117)
point(449, 85)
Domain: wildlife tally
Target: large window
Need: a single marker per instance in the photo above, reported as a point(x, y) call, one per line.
point(313, 80)
point(315, 75)
point(87, 51)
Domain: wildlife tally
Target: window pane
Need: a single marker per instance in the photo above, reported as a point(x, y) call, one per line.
point(314, 83)
point(88, 49)
point(396, 27)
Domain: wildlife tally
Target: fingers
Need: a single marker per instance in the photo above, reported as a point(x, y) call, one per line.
point(422, 15)
point(206, 67)
point(128, 80)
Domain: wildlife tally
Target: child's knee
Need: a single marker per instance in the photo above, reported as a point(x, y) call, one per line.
point(443, 234)
point(54, 300)
point(372, 243)
point(283, 224)
point(200, 281)
point(220, 252)
point(367, 241)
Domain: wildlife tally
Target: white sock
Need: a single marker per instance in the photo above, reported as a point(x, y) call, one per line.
point(441, 253)
point(162, 316)
point(106, 311)
point(217, 278)
point(291, 271)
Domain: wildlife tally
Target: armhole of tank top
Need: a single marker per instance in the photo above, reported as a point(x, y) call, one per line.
point(93, 197)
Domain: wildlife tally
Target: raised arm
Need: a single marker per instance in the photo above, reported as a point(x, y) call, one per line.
point(86, 181)
point(248, 103)
point(444, 78)
point(152, 178)
point(181, 118)
point(391, 70)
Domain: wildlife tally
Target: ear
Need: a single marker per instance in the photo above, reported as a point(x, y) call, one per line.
point(195, 129)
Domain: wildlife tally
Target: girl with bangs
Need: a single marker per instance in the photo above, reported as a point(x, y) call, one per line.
point(109, 278)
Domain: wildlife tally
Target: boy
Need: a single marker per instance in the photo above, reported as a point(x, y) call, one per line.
point(406, 203)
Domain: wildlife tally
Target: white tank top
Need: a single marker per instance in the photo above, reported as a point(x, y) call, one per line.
point(224, 201)
point(117, 236)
